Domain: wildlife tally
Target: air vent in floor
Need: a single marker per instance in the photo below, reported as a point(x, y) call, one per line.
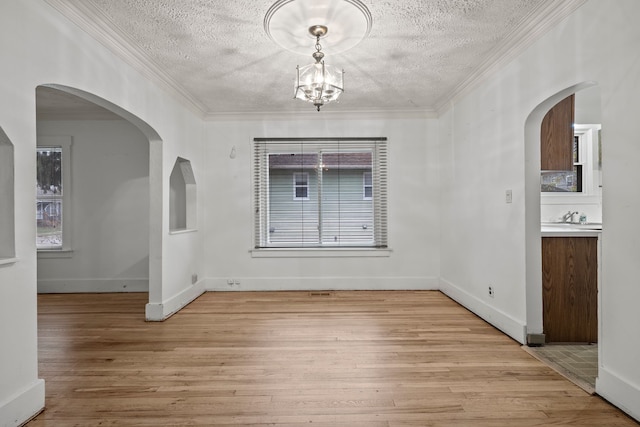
point(320, 294)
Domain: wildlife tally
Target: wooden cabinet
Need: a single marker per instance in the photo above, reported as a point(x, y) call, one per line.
point(556, 136)
point(570, 289)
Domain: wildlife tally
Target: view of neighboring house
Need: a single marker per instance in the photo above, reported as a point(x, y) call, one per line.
point(320, 199)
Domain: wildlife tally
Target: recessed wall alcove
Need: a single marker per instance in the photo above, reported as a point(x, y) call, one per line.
point(182, 197)
point(7, 216)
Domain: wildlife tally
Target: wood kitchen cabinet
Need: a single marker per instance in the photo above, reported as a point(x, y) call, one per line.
point(556, 137)
point(570, 289)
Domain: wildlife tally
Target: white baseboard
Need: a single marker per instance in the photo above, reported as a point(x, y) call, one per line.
point(61, 286)
point(619, 392)
point(157, 312)
point(23, 405)
point(507, 324)
point(321, 283)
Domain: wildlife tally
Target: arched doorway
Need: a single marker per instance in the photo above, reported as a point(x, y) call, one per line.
point(67, 102)
point(535, 202)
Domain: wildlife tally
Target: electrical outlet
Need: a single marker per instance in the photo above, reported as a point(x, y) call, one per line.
point(491, 292)
point(508, 196)
point(194, 279)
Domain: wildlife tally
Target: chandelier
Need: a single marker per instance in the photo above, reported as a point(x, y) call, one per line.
point(318, 83)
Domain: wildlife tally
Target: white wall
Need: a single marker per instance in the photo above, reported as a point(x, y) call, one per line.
point(484, 134)
point(109, 210)
point(588, 108)
point(38, 46)
point(413, 262)
point(448, 216)
point(482, 235)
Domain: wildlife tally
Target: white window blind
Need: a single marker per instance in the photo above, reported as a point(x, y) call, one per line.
point(325, 176)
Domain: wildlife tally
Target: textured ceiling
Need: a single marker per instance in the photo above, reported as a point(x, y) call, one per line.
point(216, 55)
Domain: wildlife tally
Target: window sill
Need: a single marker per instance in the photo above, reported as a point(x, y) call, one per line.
point(183, 231)
point(8, 261)
point(320, 253)
point(53, 253)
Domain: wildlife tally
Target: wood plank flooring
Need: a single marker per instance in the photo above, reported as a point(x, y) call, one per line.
point(291, 359)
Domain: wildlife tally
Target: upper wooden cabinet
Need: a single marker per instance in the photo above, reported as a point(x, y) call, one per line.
point(556, 136)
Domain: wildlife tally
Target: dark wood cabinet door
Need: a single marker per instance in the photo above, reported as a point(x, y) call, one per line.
point(556, 137)
point(570, 289)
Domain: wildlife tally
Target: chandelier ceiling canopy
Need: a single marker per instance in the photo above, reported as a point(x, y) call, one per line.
point(287, 23)
point(291, 24)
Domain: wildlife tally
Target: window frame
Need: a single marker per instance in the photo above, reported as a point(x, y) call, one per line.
point(64, 143)
point(264, 147)
point(305, 185)
point(365, 186)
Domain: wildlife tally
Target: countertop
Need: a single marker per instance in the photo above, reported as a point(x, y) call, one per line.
point(554, 229)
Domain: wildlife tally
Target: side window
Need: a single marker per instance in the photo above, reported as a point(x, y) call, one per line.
point(53, 211)
point(301, 186)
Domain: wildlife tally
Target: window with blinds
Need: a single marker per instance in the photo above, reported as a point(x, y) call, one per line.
point(320, 192)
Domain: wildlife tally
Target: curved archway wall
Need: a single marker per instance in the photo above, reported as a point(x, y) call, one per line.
point(40, 46)
point(532, 206)
point(159, 307)
point(110, 218)
point(492, 134)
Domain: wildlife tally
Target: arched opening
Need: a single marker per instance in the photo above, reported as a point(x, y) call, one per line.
point(539, 208)
point(114, 163)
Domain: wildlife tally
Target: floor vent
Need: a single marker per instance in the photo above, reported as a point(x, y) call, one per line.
point(320, 294)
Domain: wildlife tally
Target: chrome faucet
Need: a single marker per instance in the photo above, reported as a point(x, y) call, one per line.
point(568, 217)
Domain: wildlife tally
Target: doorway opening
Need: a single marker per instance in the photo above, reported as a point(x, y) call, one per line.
point(552, 219)
point(99, 210)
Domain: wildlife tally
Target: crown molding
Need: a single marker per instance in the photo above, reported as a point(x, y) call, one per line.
point(323, 115)
point(533, 27)
point(92, 21)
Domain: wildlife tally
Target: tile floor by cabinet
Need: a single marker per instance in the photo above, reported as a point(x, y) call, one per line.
point(577, 362)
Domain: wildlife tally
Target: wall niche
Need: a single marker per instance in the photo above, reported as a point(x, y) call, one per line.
point(182, 197)
point(7, 200)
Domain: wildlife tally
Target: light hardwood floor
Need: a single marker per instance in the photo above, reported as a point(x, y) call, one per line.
point(361, 359)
